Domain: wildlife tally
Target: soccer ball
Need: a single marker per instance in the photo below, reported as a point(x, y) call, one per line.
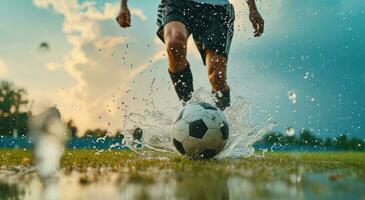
point(200, 131)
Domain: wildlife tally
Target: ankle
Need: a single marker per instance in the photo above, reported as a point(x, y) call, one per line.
point(183, 83)
point(223, 99)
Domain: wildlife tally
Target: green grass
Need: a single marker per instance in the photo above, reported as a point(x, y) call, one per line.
point(209, 179)
point(140, 166)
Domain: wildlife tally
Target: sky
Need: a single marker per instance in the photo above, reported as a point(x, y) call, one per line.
point(93, 68)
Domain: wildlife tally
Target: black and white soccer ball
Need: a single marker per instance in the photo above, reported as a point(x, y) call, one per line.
point(200, 131)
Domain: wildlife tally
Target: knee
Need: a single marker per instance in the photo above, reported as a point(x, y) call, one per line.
point(176, 50)
point(176, 45)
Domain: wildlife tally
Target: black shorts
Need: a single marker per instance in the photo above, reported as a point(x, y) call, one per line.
point(211, 25)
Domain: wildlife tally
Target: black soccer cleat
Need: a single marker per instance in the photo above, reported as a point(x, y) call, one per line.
point(223, 99)
point(183, 84)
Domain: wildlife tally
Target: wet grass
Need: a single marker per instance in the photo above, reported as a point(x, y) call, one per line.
point(143, 165)
point(140, 175)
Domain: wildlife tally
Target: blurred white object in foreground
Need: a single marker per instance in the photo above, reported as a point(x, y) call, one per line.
point(292, 97)
point(49, 135)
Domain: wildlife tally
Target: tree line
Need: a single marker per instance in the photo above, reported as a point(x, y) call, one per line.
point(307, 138)
point(15, 109)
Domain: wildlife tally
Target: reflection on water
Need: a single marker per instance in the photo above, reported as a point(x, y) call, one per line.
point(346, 187)
point(10, 191)
point(101, 184)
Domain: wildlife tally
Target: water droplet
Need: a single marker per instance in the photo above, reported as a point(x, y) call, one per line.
point(290, 131)
point(306, 75)
point(292, 97)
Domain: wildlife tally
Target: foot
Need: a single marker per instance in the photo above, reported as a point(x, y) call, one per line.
point(223, 100)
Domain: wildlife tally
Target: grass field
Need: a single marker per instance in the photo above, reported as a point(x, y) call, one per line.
point(324, 175)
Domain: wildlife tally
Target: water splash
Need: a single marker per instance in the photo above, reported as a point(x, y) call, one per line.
point(156, 125)
point(290, 131)
point(292, 95)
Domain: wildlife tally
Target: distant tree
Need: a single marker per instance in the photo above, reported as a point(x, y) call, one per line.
point(14, 110)
point(308, 138)
point(291, 139)
point(273, 138)
point(72, 127)
point(356, 144)
point(342, 142)
point(9, 191)
point(278, 139)
point(328, 142)
point(12, 99)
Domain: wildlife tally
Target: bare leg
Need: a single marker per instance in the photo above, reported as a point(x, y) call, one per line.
point(217, 74)
point(176, 36)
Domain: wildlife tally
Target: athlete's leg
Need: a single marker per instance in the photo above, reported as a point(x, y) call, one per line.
point(217, 74)
point(175, 37)
point(213, 38)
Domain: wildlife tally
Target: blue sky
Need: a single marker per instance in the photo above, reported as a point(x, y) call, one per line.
point(315, 48)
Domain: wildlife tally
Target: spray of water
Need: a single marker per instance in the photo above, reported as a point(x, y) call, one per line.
point(156, 125)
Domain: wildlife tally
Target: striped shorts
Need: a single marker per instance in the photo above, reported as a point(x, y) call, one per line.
point(212, 26)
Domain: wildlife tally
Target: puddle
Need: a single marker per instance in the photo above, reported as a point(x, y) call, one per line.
point(95, 184)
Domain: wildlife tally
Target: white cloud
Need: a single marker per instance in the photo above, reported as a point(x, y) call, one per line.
point(109, 42)
point(53, 66)
point(3, 68)
point(139, 13)
point(98, 73)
